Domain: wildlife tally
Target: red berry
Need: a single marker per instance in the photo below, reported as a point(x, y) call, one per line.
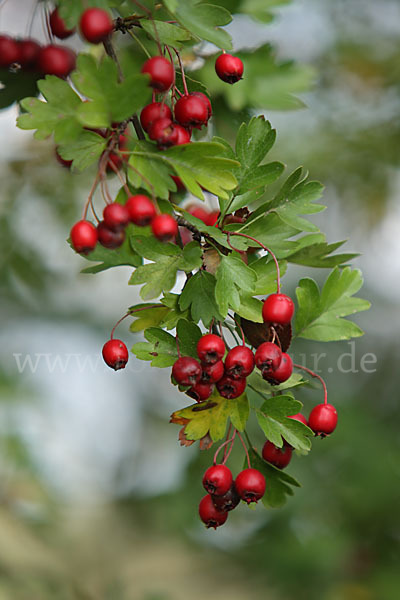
point(183, 135)
point(213, 372)
point(29, 51)
point(164, 132)
point(58, 26)
point(231, 388)
point(280, 457)
point(282, 373)
point(116, 216)
point(278, 309)
point(83, 237)
point(209, 514)
point(229, 68)
point(201, 391)
point(141, 210)
point(228, 501)
point(56, 60)
point(250, 485)
point(186, 370)
point(108, 237)
point(115, 354)
point(114, 159)
point(298, 417)
point(198, 211)
point(152, 112)
point(268, 356)
point(239, 362)
point(9, 51)
point(323, 419)
point(191, 111)
point(206, 100)
point(164, 228)
point(210, 348)
point(96, 25)
point(161, 73)
point(212, 218)
point(217, 480)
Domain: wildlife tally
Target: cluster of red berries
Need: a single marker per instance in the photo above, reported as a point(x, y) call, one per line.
point(224, 493)
point(228, 376)
point(110, 232)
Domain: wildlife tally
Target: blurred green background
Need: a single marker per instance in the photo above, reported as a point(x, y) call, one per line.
point(97, 499)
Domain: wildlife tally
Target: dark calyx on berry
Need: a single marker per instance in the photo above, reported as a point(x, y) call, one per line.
point(228, 501)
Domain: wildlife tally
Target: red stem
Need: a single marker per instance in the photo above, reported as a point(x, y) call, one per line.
point(318, 377)
point(222, 446)
point(278, 274)
point(245, 449)
point(241, 330)
point(182, 71)
point(132, 312)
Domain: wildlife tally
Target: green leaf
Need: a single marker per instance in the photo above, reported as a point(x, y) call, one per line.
point(15, 86)
point(199, 295)
point(261, 176)
point(106, 258)
point(188, 334)
point(149, 172)
point(57, 114)
point(203, 20)
point(160, 276)
point(267, 275)
point(261, 9)
point(84, 151)
point(273, 420)
point(150, 317)
point(300, 201)
point(319, 316)
point(211, 416)
point(250, 308)
point(175, 313)
point(160, 348)
point(71, 10)
point(167, 33)
point(278, 483)
point(232, 276)
point(254, 140)
point(317, 254)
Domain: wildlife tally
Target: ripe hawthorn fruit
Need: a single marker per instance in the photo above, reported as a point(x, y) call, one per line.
point(109, 238)
point(250, 485)
point(56, 60)
point(161, 73)
point(278, 309)
point(211, 516)
point(29, 51)
point(116, 216)
point(212, 373)
point(299, 417)
point(239, 362)
point(228, 501)
point(323, 419)
point(231, 388)
point(206, 101)
point(83, 237)
point(141, 210)
point(164, 132)
point(210, 348)
point(201, 391)
point(229, 68)
point(282, 373)
point(115, 354)
point(58, 26)
point(186, 370)
point(164, 228)
point(183, 136)
point(279, 457)
point(95, 25)
point(268, 356)
point(152, 112)
point(9, 51)
point(217, 480)
point(191, 111)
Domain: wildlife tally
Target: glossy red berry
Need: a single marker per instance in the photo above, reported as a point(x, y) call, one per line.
point(152, 112)
point(278, 309)
point(213, 372)
point(83, 237)
point(198, 211)
point(201, 391)
point(231, 388)
point(29, 51)
point(206, 100)
point(217, 480)
point(268, 356)
point(191, 111)
point(299, 417)
point(228, 501)
point(95, 25)
point(141, 210)
point(164, 228)
point(115, 354)
point(279, 457)
point(56, 60)
point(210, 348)
point(229, 68)
point(9, 51)
point(282, 373)
point(209, 514)
point(109, 238)
point(161, 73)
point(116, 216)
point(186, 370)
point(239, 362)
point(183, 136)
point(250, 485)
point(212, 218)
point(58, 26)
point(164, 132)
point(323, 419)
